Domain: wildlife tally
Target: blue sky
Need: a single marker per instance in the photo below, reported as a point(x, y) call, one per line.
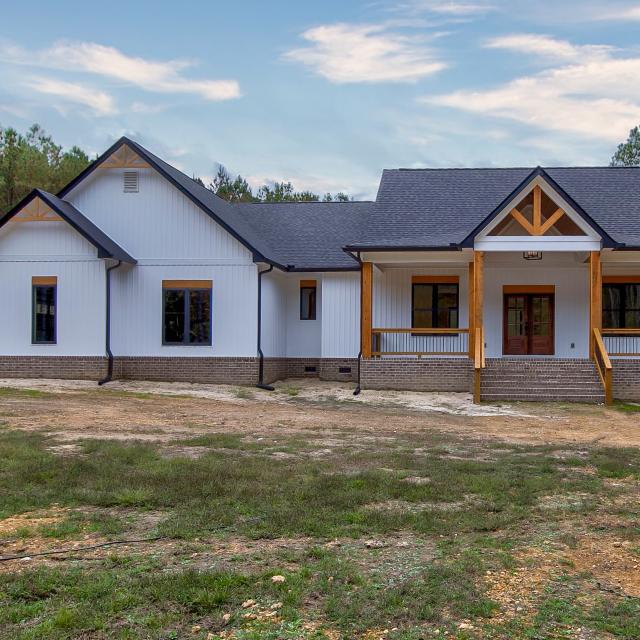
point(327, 94)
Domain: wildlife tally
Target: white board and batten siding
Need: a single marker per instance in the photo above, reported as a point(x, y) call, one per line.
point(51, 248)
point(284, 334)
point(571, 282)
point(172, 239)
point(341, 315)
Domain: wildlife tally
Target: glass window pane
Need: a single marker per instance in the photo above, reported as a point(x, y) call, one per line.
point(307, 303)
point(422, 296)
point(44, 314)
point(174, 316)
point(422, 319)
point(632, 319)
point(632, 293)
point(200, 316)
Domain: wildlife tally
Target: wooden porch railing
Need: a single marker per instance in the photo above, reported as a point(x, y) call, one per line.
point(603, 365)
point(622, 343)
point(479, 363)
point(420, 342)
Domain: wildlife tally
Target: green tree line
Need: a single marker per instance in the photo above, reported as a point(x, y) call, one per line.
point(33, 159)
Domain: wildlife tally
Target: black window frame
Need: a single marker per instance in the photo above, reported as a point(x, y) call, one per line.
point(187, 317)
point(34, 288)
point(623, 310)
point(313, 314)
point(434, 302)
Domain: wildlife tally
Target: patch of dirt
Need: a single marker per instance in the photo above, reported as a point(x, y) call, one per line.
point(162, 412)
point(32, 519)
point(404, 506)
point(610, 560)
point(518, 591)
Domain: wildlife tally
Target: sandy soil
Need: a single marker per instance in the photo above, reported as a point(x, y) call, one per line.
point(326, 412)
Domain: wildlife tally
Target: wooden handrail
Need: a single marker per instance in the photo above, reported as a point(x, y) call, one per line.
point(620, 332)
point(425, 332)
point(603, 365)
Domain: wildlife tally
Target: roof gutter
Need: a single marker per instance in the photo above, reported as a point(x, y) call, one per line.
point(109, 375)
point(401, 248)
point(261, 384)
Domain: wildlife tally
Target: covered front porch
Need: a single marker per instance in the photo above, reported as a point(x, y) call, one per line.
point(432, 320)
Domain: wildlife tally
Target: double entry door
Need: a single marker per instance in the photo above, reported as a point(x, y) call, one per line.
point(528, 324)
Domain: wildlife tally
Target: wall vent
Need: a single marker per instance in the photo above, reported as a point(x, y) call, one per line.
point(130, 181)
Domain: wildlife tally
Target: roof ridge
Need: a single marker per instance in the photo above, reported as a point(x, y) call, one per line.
point(521, 168)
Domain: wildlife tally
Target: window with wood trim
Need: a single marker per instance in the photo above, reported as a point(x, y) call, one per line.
point(621, 305)
point(186, 312)
point(434, 302)
point(44, 292)
point(308, 299)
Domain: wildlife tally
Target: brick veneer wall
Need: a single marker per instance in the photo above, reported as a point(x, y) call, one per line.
point(61, 367)
point(626, 379)
point(175, 369)
point(325, 368)
point(413, 374)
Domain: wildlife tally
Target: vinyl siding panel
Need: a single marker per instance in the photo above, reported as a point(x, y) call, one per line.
point(137, 309)
point(340, 315)
point(274, 324)
point(158, 222)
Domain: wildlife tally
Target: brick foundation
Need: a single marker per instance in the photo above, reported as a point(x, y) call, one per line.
point(172, 369)
point(626, 379)
point(417, 374)
point(175, 369)
point(61, 367)
point(323, 368)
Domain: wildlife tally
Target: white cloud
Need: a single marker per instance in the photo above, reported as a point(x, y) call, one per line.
point(593, 94)
point(456, 8)
point(98, 101)
point(548, 47)
point(348, 53)
point(628, 13)
point(109, 62)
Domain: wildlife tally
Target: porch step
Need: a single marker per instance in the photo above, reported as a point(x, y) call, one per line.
point(533, 379)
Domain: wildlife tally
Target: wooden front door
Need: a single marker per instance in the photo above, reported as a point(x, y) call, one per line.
point(528, 324)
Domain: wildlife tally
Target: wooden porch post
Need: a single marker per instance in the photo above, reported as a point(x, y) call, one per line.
point(472, 309)
point(595, 297)
point(478, 288)
point(366, 313)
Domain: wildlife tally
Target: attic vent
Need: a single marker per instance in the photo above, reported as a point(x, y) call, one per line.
point(130, 181)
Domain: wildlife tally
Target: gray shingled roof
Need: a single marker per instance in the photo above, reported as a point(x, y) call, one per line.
point(422, 208)
point(107, 248)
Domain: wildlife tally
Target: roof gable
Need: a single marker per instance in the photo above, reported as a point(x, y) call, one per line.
point(226, 215)
point(106, 247)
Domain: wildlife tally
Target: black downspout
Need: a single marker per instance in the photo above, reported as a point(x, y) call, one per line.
point(261, 384)
point(357, 390)
point(109, 375)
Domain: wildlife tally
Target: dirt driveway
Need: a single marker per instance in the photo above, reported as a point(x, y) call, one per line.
point(167, 411)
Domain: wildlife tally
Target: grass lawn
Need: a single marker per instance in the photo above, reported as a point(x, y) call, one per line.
point(404, 536)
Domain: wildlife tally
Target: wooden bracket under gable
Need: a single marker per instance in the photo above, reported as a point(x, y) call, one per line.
point(37, 211)
point(124, 158)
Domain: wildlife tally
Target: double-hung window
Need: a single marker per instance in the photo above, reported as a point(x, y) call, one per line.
point(44, 293)
point(621, 305)
point(308, 296)
point(186, 312)
point(434, 302)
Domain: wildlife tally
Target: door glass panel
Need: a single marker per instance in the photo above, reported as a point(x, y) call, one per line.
point(541, 307)
point(515, 316)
